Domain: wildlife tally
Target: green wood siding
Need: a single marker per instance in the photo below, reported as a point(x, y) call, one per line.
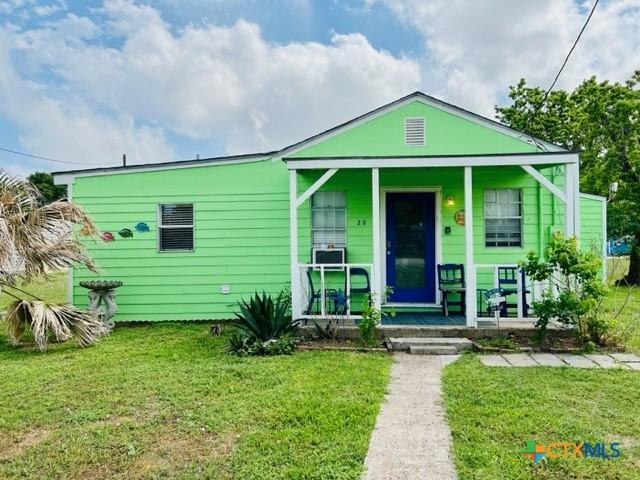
point(241, 214)
point(592, 223)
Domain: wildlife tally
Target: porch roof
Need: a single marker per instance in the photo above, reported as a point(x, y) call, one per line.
point(408, 161)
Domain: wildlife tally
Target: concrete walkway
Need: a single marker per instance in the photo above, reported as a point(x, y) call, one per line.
point(614, 360)
point(411, 439)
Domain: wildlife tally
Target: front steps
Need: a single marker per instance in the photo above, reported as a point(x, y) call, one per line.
point(429, 345)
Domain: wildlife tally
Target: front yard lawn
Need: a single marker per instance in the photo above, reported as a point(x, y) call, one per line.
point(166, 401)
point(493, 412)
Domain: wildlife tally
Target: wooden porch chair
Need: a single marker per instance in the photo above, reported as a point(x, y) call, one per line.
point(508, 282)
point(451, 281)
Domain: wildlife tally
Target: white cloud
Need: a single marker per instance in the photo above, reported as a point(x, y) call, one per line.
point(220, 84)
point(477, 49)
point(55, 122)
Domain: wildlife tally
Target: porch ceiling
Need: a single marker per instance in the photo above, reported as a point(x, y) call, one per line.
point(541, 158)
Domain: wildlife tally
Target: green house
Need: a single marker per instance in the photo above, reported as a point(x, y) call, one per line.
point(391, 203)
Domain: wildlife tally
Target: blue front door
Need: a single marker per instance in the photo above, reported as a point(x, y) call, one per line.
point(411, 247)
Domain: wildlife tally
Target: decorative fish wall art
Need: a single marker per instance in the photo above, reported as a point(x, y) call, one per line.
point(107, 237)
point(125, 233)
point(142, 227)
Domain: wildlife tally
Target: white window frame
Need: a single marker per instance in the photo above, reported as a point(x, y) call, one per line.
point(346, 223)
point(502, 217)
point(161, 227)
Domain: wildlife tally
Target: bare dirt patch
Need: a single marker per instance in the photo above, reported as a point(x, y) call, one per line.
point(10, 446)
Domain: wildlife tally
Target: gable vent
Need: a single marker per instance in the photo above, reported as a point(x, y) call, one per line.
point(414, 132)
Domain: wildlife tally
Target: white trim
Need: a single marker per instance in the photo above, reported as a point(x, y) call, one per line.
point(375, 230)
point(316, 185)
point(470, 291)
point(604, 239)
point(443, 161)
point(545, 182)
point(600, 198)
point(160, 227)
point(296, 309)
point(571, 209)
point(71, 268)
point(575, 194)
point(66, 178)
point(383, 234)
point(440, 105)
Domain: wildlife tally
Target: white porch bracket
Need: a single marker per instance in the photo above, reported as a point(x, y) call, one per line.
point(545, 182)
point(316, 185)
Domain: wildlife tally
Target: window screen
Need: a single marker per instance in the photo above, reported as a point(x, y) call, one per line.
point(503, 217)
point(176, 226)
point(329, 219)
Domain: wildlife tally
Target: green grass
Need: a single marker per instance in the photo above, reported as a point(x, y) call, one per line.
point(492, 412)
point(166, 401)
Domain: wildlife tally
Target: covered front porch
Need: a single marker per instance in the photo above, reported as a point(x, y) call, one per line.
point(408, 219)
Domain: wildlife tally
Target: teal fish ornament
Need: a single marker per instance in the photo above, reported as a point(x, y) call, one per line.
point(142, 227)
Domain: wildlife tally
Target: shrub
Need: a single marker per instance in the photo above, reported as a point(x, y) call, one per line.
point(371, 317)
point(264, 326)
point(576, 300)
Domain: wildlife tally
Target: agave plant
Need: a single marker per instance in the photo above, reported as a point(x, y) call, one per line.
point(37, 239)
point(265, 319)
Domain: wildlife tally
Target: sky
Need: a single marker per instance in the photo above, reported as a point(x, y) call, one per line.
point(83, 82)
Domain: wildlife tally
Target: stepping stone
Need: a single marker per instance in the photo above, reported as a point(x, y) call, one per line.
point(520, 360)
point(447, 359)
point(494, 361)
point(548, 360)
point(633, 365)
point(578, 361)
point(626, 357)
point(604, 361)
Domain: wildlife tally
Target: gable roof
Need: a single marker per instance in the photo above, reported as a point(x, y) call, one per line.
point(429, 100)
point(288, 150)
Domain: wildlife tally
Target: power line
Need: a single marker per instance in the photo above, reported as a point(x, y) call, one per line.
point(8, 150)
point(564, 64)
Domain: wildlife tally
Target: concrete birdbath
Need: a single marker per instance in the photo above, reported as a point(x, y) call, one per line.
point(103, 291)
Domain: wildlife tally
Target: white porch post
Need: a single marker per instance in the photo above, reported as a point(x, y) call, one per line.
point(296, 297)
point(378, 288)
point(468, 238)
point(572, 207)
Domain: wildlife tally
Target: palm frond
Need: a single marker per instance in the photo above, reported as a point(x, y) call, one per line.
point(60, 321)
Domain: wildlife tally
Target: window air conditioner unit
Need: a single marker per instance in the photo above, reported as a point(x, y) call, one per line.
point(329, 256)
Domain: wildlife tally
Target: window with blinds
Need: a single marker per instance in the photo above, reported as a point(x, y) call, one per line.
point(503, 217)
point(175, 227)
point(329, 219)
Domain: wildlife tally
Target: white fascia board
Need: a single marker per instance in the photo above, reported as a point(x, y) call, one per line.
point(67, 178)
point(470, 161)
point(599, 198)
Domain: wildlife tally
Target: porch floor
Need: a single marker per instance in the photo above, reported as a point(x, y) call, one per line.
point(423, 318)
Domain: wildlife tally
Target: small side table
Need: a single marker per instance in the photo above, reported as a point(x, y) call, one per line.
point(103, 291)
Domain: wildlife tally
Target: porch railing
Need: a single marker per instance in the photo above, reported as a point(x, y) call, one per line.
point(326, 278)
point(528, 292)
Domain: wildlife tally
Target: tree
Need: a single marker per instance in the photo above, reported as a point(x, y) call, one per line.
point(601, 119)
point(44, 183)
point(36, 239)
